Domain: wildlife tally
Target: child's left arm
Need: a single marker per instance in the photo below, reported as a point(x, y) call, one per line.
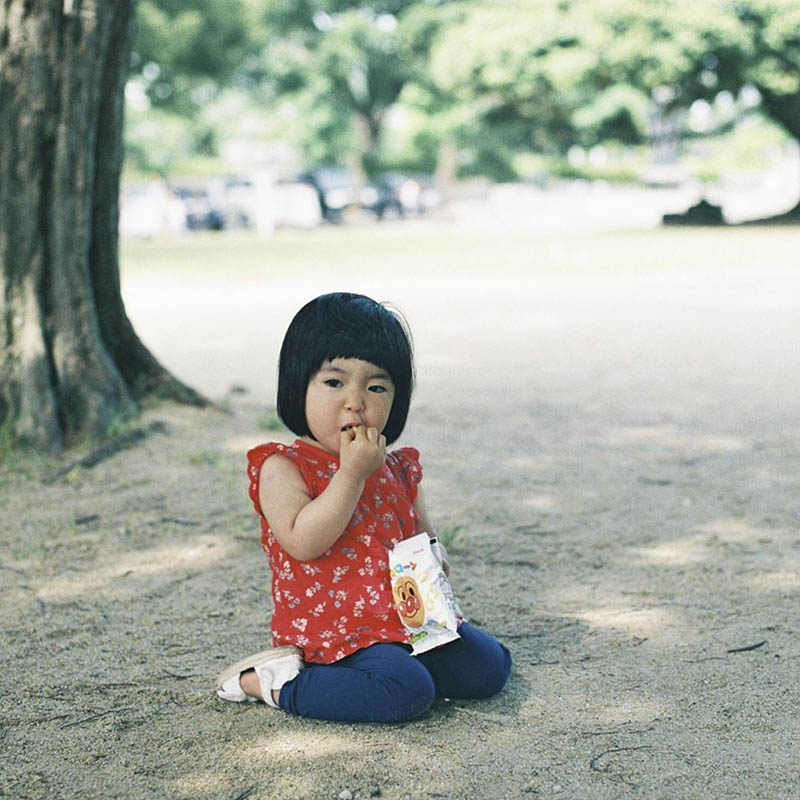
point(424, 526)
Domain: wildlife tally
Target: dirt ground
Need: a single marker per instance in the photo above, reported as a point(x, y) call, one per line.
point(622, 453)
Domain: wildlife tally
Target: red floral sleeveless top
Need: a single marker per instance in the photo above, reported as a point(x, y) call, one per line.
point(341, 601)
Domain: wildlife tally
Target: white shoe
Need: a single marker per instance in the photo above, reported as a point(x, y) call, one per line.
point(274, 667)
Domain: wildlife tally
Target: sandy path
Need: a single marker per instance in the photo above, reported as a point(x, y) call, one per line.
point(622, 453)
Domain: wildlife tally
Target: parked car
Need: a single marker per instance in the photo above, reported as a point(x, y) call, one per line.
point(400, 194)
point(201, 215)
point(337, 189)
point(391, 194)
point(380, 196)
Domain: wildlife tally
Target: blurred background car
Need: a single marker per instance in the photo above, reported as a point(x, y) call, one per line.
point(389, 195)
point(200, 212)
point(337, 189)
point(397, 194)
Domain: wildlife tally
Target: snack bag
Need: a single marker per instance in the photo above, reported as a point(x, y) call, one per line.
point(422, 593)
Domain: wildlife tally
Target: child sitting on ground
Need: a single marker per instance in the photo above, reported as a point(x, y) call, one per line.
point(332, 505)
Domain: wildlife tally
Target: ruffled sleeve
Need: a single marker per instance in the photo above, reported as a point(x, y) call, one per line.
point(405, 464)
point(255, 461)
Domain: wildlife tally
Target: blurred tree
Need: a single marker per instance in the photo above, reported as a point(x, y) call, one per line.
point(546, 74)
point(346, 64)
point(748, 50)
point(702, 49)
point(70, 361)
point(506, 76)
point(185, 50)
point(186, 53)
point(533, 75)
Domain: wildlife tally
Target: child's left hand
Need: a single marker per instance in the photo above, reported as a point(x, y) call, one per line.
point(362, 451)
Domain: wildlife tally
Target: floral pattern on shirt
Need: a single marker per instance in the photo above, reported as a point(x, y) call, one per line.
point(341, 601)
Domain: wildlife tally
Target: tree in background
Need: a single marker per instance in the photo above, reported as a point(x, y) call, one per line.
point(745, 52)
point(185, 53)
point(186, 49)
point(495, 78)
point(70, 361)
point(345, 64)
point(532, 75)
point(708, 47)
point(543, 75)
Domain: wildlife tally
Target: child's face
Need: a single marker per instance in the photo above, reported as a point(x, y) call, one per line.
point(344, 393)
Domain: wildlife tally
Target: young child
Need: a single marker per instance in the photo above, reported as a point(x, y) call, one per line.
point(332, 505)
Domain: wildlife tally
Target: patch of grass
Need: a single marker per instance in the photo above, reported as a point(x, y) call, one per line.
point(270, 421)
point(440, 249)
point(448, 534)
point(118, 425)
point(205, 458)
point(28, 547)
point(22, 463)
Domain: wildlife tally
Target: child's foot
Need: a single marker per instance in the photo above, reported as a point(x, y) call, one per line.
point(260, 676)
point(251, 686)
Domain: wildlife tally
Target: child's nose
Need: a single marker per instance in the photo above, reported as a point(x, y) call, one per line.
point(354, 401)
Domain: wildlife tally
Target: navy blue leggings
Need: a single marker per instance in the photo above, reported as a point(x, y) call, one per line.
point(385, 683)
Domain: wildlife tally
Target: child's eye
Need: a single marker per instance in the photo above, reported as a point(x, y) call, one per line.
point(334, 383)
point(377, 389)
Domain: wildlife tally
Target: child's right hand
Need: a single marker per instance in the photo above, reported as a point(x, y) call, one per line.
point(362, 451)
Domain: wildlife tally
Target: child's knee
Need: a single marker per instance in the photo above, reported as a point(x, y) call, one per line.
point(498, 669)
point(411, 696)
point(489, 673)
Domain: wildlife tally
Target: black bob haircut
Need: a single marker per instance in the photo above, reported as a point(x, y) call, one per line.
point(344, 325)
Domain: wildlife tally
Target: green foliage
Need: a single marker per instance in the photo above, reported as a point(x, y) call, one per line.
point(522, 69)
point(617, 173)
point(345, 65)
point(700, 49)
point(161, 142)
point(616, 114)
point(496, 77)
point(323, 131)
point(746, 147)
point(545, 74)
point(415, 151)
point(185, 49)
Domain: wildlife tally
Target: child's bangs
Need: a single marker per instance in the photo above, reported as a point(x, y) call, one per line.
point(364, 351)
point(384, 346)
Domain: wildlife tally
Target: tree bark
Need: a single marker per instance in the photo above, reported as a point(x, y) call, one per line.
point(71, 362)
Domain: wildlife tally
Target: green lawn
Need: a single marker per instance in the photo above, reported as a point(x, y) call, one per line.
point(422, 248)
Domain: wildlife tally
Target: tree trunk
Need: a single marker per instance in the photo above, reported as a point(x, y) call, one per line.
point(71, 363)
point(783, 108)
